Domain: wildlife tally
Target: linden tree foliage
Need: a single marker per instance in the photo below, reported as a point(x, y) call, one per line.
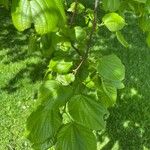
point(79, 84)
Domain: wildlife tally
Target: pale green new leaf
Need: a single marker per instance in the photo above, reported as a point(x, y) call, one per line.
point(65, 79)
point(80, 33)
point(111, 68)
point(80, 8)
point(21, 14)
point(87, 111)
point(75, 137)
point(59, 65)
point(111, 5)
point(113, 21)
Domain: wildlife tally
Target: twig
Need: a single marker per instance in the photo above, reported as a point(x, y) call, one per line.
point(76, 49)
point(90, 38)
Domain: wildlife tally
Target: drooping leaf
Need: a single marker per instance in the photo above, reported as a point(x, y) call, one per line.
point(110, 67)
point(113, 21)
point(111, 5)
point(21, 14)
point(75, 137)
point(87, 111)
point(121, 39)
point(46, 15)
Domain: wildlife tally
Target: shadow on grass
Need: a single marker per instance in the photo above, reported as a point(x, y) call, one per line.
point(13, 47)
point(12, 41)
point(33, 72)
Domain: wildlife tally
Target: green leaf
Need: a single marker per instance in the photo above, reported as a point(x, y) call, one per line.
point(107, 94)
point(65, 79)
point(121, 39)
point(21, 14)
point(52, 90)
point(111, 5)
point(115, 83)
point(111, 68)
point(113, 21)
point(47, 15)
point(110, 91)
point(43, 125)
point(80, 33)
point(80, 8)
point(48, 44)
point(75, 137)
point(44, 146)
point(87, 111)
point(59, 65)
point(46, 120)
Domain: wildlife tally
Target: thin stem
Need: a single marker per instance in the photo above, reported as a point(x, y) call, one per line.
point(90, 38)
point(76, 49)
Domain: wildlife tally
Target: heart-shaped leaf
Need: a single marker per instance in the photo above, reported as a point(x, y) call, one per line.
point(75, 137)
point(87, 111)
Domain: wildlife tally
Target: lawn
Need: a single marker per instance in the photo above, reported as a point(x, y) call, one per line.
point(21, 73)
